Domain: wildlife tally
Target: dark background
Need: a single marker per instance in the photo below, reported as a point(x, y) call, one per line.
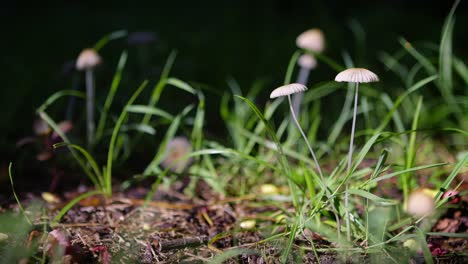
point(248, 40)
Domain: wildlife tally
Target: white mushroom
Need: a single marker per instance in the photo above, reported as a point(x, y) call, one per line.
point(87, 61)
point(176, 155)
point(420, 203)
point(307, 61)
point(287, 90)
point(357, 75)
point(310, 40)
point(354, 75)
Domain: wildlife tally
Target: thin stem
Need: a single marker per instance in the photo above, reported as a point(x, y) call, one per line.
point(335, 212)
point(350, 158)
point(89, 106)
point(305, 139)
point(353, 127)
point(302, 78)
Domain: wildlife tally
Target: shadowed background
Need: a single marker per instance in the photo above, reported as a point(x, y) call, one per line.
point(247, 40)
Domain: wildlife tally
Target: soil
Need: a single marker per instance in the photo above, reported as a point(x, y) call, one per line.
point(173, 228)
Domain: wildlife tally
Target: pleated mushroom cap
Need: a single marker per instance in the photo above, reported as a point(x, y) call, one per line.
point(357, 75)
point(287, 90)
point(87, 59)
point(312, 40)
point(307, 61)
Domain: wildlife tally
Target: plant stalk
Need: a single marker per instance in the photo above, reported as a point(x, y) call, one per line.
point(302, 78)
point(317, 164)
point(89, 106)
point(350, 158)
point(306, 141)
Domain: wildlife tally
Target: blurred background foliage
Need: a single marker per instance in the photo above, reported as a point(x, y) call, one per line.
point(250, 41)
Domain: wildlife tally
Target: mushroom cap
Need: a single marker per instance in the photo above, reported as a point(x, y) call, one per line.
point(420, 203)
point(41, 128)
point(356, 75)
point(87, 59)
point(307, 61)
point(287, 90)
point(312, 40)
point(176, 151)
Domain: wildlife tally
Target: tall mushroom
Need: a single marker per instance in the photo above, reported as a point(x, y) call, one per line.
point(310, 40)
point(287, 90)
point(354, 75)
point(87, 61)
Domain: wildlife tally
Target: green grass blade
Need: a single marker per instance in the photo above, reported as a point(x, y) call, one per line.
point(392, 63)
point(446, 184)
point(394, 174)
point(181, 85)
point(428, 66)
point(446, 61)
point(97, 178)
point(269, 111)
point(115, 131)
point(396, 116)
point(138, 127)
point(289, 244)
point(339, 124)
point(110, 96)
point(327, 60)
point(54, 97)
point(270, 131)
point(148, 110)
point(20, 206)
point(411, 152)
point(62, 135)
point(373, 197)
point(197, 131)
point(446, 234)
point(400, 99)
point(461, 69)
point(362, 154)
point(157, 90)
point(171, 131)
point(109, 37)
point(281, 157)
point(291, 66)
point(321, 90)
point(69, 205)
point(425, 248)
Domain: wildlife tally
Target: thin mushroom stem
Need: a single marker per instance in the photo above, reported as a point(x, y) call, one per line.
point(89, 106)
point(350, 157)
point(318, 166)
point(302, 78)
point(306, 140)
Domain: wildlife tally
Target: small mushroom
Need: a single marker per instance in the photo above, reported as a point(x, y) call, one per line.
point(287, 90)
point(310, 40)
point(420, 203)
point(87, 61)
point(354, 75)
point(176, 155)
point(41, 128)
point(248, 224)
